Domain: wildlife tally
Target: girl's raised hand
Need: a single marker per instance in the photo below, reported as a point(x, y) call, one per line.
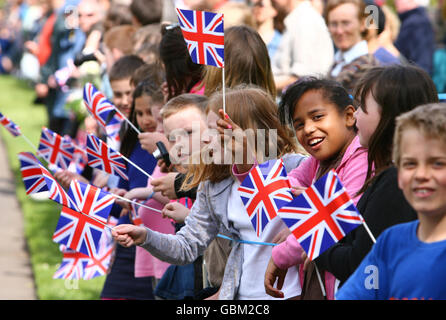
point(128, 235)
point(242, 152)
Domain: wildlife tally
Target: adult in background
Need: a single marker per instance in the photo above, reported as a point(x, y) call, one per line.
point(346, 21)
point(265, 16)
point(306, 47)
point(416, 40)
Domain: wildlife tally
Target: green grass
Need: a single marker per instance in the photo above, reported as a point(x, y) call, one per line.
point(40, 217)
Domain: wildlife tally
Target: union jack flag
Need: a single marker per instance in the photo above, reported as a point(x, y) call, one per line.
point(10, 126)
point(38, 179)
point(103, 111)
point(204, 36)
point(32, 175)
point(264, 191)
point(105, 158)
point(98, 264)
point(56, 192)
point(55, 149)
point(80, 159)
point(81, 230)
point(72, 266)
point(321, 216)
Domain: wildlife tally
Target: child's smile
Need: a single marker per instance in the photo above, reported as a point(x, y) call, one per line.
point(320, 127)
point(422, 173)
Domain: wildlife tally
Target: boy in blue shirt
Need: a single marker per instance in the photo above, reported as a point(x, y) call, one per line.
point(409, 260)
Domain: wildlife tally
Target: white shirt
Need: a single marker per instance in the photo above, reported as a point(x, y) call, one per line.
point(306, 47)
point(346, 57)
point(256, 257)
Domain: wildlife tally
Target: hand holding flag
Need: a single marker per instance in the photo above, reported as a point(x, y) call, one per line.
point(81, 229)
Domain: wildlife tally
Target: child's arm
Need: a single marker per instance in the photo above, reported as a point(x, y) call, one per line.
point(183, 247)
point(353, 173)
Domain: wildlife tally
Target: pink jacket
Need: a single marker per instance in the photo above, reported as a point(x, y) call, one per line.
point(145, 264)
point(352, 172)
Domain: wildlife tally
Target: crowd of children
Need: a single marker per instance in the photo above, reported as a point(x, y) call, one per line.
point(331, 81)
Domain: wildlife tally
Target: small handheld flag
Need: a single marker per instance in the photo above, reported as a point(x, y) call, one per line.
point(72, 266)
point(321, 216)
point(55, 149)
point(105, 158)
point(264, 191)
point(98, 264)
point(81, 230)
point(204, 36)
point(105, 113)
point(10, 126)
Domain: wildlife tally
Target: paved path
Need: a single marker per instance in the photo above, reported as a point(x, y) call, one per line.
point(16, 278)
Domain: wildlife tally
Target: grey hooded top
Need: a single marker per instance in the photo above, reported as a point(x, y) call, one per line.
point(208, 217)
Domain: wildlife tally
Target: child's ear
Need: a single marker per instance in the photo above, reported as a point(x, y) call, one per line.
point(349, 113)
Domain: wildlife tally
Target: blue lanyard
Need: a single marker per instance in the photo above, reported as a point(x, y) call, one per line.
point(247, 242)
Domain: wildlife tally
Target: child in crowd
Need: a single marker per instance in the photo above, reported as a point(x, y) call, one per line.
point(183, 120)
point(383, 94)
point(218, 207)
point(407, 261)
point(120, 73)
point(148, 100)
point(322, 114)
point(185, 124)
point(121, 281)
point(182, 75)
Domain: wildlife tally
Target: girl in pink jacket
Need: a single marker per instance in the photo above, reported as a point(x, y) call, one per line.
point(322, 114)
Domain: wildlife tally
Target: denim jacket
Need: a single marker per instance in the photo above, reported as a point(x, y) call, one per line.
point(208, 217)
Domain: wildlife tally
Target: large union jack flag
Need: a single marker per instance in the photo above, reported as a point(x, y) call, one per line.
point(104, 158)
point(103, 111)
point(321, 216)
point(204, 36)
point(10, 126)
point(81, 230)
point(72, 266)
point(264, 191)
point(55, 149)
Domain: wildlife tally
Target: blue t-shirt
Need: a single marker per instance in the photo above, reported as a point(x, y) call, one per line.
point(399, 266)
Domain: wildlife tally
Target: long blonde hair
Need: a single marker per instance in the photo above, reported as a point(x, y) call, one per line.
point(250, 108)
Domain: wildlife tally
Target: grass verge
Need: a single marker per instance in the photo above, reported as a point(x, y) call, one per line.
point(40, 217)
